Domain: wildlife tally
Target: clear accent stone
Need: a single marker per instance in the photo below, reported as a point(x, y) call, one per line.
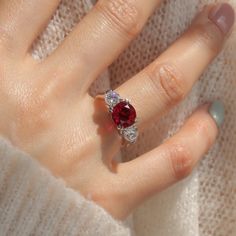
point(112, 98)
point(130, 133)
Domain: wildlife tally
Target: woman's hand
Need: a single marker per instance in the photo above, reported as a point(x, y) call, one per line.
point(46, 109)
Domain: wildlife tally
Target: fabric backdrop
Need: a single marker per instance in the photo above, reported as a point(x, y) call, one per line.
point(205, 203)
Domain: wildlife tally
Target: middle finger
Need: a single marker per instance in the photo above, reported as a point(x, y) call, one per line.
point(99, 38)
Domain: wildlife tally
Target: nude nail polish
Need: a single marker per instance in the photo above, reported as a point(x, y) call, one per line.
point(217, 112)
point(223, 16)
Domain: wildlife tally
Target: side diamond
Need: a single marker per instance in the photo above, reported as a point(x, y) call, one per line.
point(130, 134)
point(112, 98)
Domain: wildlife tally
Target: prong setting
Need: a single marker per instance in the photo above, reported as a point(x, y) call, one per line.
point(123, 115)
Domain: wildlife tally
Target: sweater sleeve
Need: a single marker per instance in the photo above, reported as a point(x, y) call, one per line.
point(34, 202)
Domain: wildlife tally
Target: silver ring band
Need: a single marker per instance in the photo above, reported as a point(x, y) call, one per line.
point(123, 115)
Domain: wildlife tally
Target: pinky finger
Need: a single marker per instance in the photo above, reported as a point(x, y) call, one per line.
point(174, 159)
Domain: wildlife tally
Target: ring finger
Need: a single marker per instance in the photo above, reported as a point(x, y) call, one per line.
point(167, 80)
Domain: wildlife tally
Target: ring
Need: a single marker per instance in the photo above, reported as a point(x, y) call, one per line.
point(123, 114)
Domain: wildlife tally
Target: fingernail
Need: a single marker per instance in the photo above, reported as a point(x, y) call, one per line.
point(223, 16)
point(217, 112)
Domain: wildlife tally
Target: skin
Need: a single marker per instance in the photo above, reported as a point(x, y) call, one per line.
point(47, 112)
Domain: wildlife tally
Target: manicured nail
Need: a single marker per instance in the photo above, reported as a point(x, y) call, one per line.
point(217, 112)
point(223, 16)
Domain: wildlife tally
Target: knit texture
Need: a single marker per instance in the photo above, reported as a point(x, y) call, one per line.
point(33, 202)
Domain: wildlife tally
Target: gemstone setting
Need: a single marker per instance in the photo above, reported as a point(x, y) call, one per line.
point(112, 98)
point(123, 114)
point(130, 134)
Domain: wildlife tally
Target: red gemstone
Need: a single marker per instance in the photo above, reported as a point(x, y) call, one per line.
point(124, 114)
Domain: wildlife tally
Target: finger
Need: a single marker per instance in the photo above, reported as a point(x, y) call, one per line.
point(22, 21)
point(174, 159)
point(170, 78)
point(100, 37)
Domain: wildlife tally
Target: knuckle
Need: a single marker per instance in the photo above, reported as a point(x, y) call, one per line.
point(181, 161)
point(203, 129)
point(124, 15)
point(168, 80)
point(209, 35)
point(6, 40)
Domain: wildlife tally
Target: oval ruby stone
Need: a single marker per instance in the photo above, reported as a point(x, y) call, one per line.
point(124, 114)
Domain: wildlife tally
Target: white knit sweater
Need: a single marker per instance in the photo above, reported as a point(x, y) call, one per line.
point(33, 202)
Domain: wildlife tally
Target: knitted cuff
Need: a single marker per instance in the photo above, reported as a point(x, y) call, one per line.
point(34, 202)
